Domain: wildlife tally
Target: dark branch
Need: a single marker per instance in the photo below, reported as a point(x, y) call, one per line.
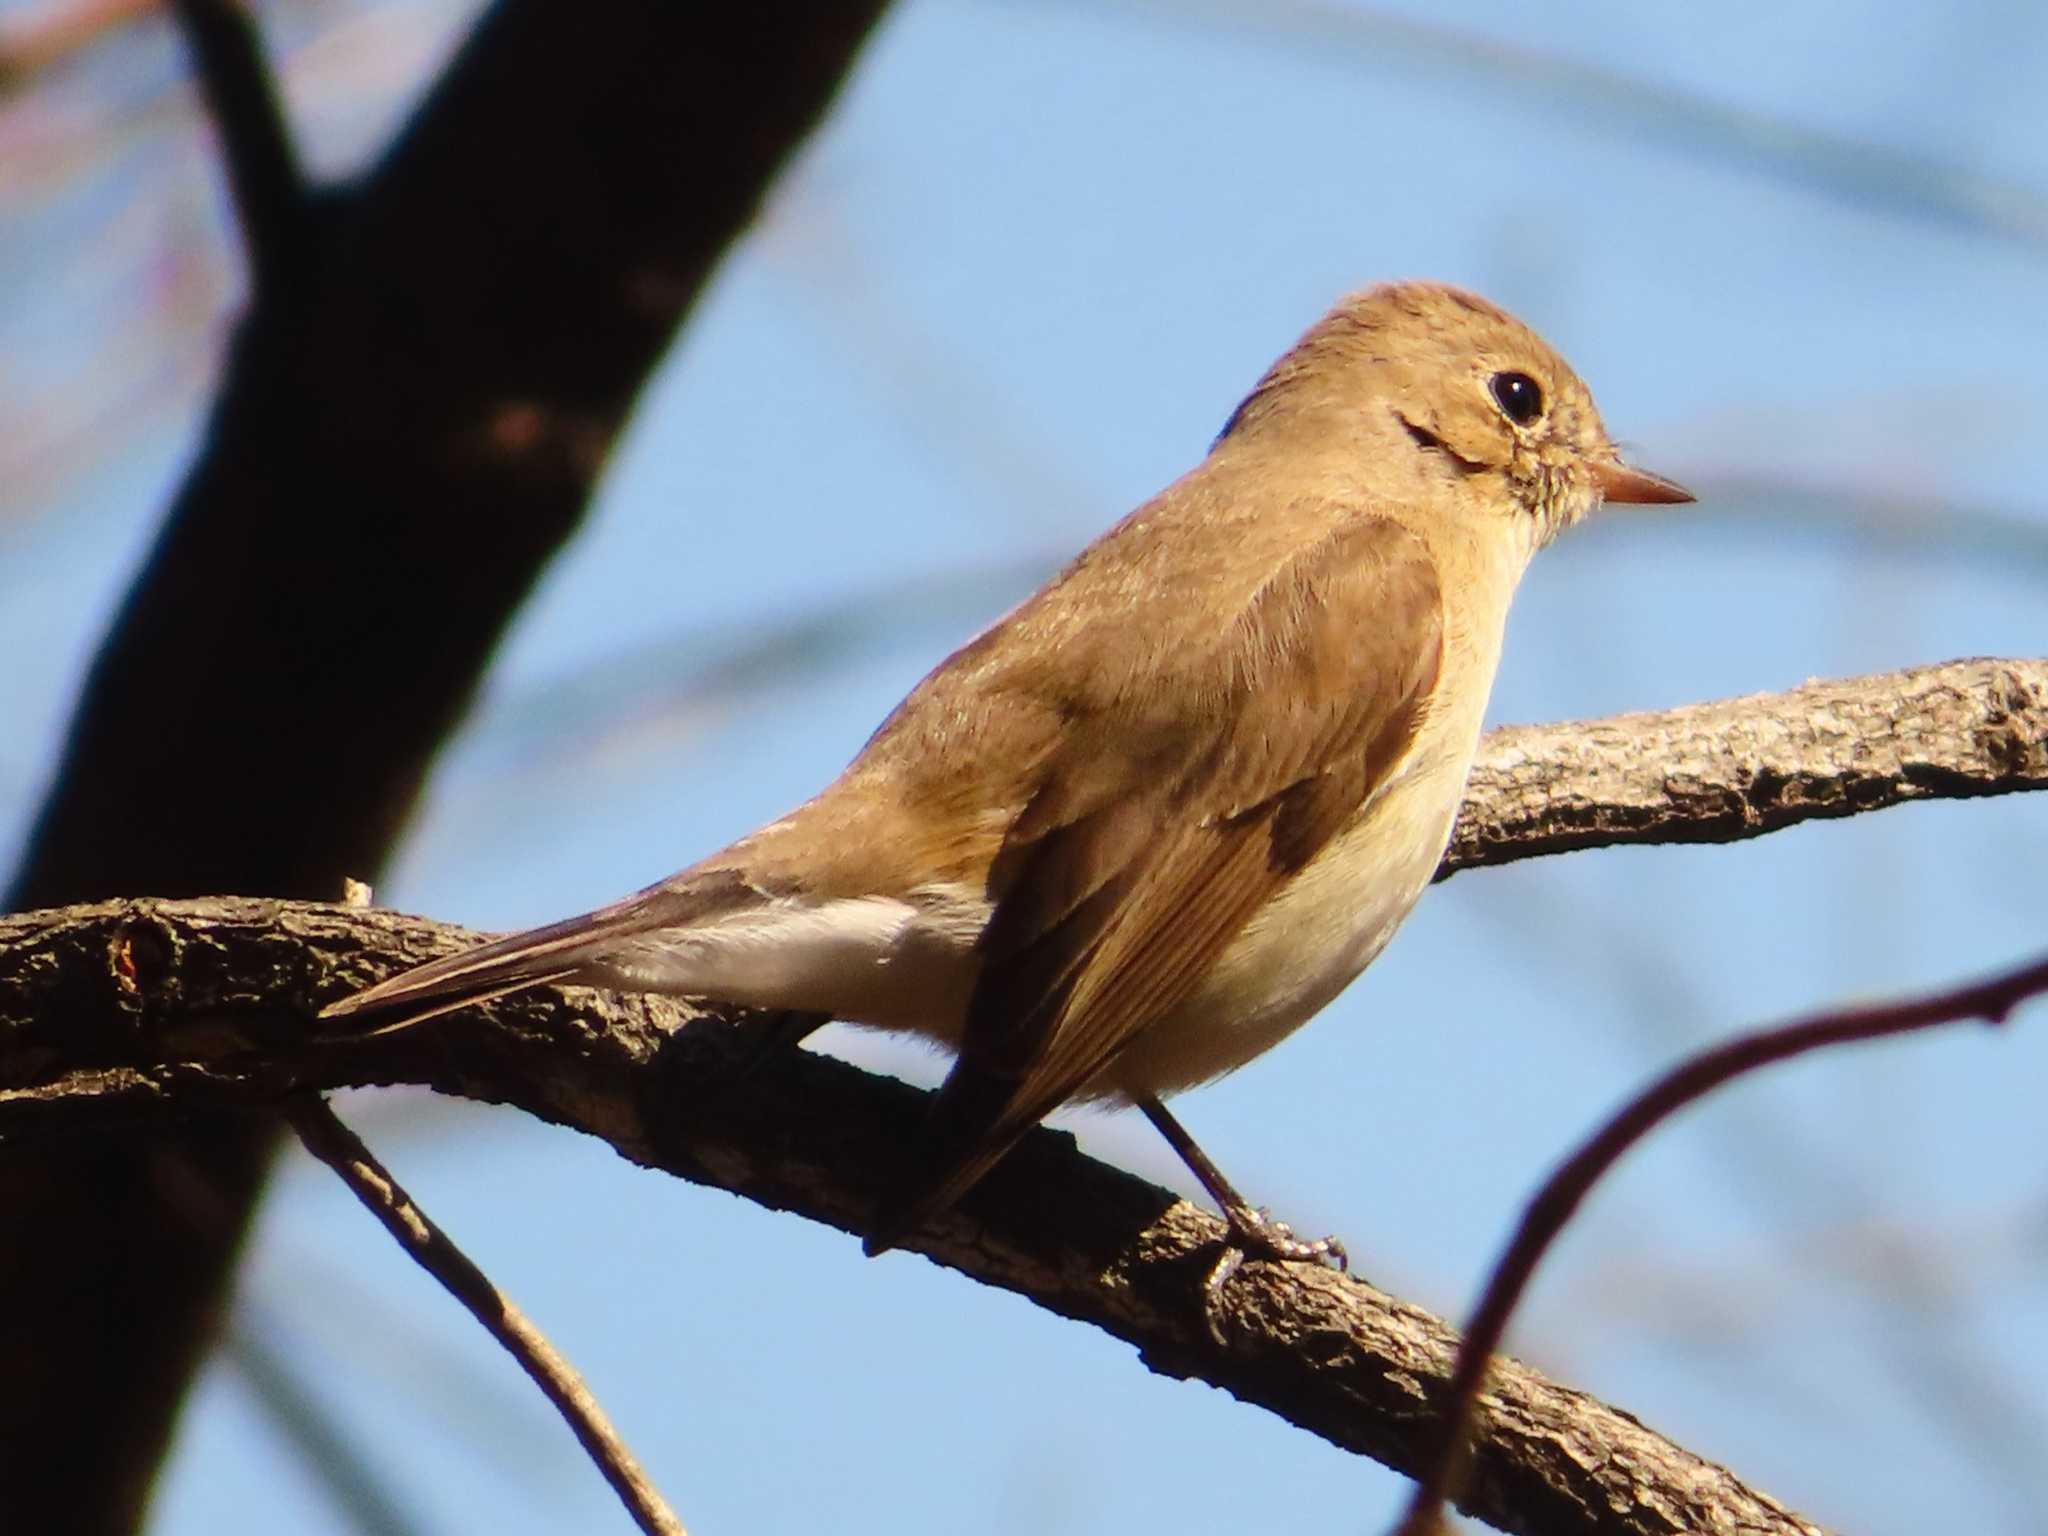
point(401, 442)
point(271, 196)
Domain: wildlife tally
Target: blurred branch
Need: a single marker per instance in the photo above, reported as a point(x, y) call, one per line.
point(1565, 1190)
point(322, 1134)
point(410, 425)
point(333, 1458)
point(579, 713)
point(1963, 728)
point(33, 40)
point(126, 1012)
point(1853, 171)
point(241, 92)
point(1774, 509)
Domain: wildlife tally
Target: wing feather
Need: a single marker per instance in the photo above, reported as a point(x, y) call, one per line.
point(1151, 843)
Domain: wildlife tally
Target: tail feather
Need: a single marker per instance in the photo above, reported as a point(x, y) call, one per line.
point(563, 951)
point(413, 1009)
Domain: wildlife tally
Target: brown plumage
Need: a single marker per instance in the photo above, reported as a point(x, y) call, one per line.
point(1154, 818)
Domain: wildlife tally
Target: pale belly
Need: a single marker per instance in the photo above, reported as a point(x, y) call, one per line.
point(1307, 945)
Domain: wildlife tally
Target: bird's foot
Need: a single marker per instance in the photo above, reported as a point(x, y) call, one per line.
point(1256, 1235)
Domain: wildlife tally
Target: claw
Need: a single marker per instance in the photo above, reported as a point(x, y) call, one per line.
point(1253, 1233)
point(1256, 1235)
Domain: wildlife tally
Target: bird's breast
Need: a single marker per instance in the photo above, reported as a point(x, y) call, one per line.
point(1308, 942)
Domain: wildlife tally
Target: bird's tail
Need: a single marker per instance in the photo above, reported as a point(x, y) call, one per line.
point(577, 949)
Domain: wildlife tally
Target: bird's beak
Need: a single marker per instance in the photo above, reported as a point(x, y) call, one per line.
point(1636, 487)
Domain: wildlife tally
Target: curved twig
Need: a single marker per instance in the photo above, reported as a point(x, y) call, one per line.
point(322, 1134)
point(1991, 1000)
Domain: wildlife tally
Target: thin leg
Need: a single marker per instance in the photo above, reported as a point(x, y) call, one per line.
point(1253, 1233)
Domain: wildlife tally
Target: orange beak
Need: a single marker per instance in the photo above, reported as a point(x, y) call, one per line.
point(1636, 487)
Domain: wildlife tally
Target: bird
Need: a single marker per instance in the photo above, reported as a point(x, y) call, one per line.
point(1152, 820)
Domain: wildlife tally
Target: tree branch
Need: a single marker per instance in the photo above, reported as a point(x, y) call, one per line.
point(129, 1011)
point(271, 196)
point(1738, 768)
point(408, 429)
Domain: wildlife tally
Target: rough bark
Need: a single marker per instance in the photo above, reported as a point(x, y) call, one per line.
point(435, 362)
point(130, 1012)
point(1738, 768)
point(124, 1013)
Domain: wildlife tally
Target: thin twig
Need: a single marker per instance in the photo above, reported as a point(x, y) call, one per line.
point(1854, 171)
point(256, 141)
point(1991, 1000)
point(340, 1149)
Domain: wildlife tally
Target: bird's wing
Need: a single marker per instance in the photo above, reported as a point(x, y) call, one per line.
point(1158, 830)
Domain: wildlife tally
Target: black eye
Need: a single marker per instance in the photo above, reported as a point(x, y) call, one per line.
point(1518, 395)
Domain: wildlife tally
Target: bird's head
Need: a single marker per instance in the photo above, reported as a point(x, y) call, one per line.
point(1439, 388)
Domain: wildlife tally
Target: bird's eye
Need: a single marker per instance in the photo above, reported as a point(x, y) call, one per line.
point(1518, 396)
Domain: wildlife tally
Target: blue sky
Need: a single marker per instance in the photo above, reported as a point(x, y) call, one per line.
point(1015, 285)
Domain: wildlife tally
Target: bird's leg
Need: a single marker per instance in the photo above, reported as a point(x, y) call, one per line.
point(1256, 1233)
point(1253, 1233)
